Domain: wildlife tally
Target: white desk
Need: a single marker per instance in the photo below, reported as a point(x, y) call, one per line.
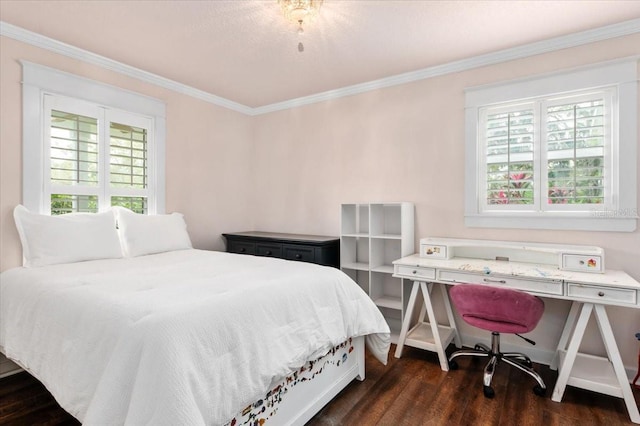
point(590, 293)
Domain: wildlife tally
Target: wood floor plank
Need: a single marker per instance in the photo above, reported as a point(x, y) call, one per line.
point(380, 397)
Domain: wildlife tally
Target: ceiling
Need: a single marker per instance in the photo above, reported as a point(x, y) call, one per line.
point(246, 52)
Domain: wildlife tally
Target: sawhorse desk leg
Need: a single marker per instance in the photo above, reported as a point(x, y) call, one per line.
point(568, 365)
point(428, 334)
point(566, 333)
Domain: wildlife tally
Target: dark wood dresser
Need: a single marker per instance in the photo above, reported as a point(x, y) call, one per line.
point(305, 248)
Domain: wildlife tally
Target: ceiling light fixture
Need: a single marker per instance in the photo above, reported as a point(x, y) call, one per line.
point(300, 12)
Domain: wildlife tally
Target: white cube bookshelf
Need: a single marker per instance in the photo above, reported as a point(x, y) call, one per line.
point(372, 236)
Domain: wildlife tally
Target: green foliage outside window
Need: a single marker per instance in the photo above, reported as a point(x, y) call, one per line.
point(578, 181)
point(64, 203)
point(510, 183)
point(136, 204)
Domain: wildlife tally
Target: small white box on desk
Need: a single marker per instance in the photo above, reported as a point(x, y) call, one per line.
point(581, 262)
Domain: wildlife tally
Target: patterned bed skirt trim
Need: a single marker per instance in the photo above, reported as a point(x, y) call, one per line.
point(260, 411)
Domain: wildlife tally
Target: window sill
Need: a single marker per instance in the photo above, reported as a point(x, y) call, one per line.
point(593, 221)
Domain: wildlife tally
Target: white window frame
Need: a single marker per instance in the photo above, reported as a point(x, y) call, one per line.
point(621, 213)
point(38, 82)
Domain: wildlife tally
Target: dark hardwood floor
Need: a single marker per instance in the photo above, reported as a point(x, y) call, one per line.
point(411, 391)
point(25, 401)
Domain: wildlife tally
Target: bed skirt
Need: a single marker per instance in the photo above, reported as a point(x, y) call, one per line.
point(302, 394)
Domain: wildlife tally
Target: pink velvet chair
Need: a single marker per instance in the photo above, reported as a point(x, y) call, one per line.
point(499, 310)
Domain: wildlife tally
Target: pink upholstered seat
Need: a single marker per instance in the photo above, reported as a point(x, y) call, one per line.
point(499, 310)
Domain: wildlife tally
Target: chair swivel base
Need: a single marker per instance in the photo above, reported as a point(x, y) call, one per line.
point(515, 359)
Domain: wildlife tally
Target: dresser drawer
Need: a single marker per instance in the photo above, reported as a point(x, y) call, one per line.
point(415, 272)
point(602, 294)
point(296, 252)
point(271, 250)
point(530, 285)
point(241, 247)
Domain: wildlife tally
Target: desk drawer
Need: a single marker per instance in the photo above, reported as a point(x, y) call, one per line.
point(415, 272)
point(270, 250)
point(602, 294)
point(530, 285)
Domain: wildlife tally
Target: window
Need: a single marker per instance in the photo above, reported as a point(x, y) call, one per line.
point(555, 152)
point(570, 169)
point(85, 154)
point(97, 157)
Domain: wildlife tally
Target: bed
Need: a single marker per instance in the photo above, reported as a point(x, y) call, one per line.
point(189, 336)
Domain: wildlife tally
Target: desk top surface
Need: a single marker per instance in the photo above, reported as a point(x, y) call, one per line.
point(521, 270)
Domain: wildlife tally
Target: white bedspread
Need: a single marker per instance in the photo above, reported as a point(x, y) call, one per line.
point(181, 338)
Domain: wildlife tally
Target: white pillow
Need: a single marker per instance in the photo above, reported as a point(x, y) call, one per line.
point(73, 237)
point(142, 234)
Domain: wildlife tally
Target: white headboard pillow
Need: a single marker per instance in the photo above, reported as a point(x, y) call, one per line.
point(67, 238)
point(147, 234)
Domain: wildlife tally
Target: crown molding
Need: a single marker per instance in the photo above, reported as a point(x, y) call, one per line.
point(519, 52)
point(563, 42)
point(38, 40)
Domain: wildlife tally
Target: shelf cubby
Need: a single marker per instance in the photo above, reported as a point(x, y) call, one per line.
point(385, 290)
point(372, 237)
point(383, 253)
point(386, 220)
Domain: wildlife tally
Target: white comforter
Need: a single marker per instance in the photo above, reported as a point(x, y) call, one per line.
point(181, 338)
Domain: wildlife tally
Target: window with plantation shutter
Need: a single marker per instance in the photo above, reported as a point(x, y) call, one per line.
point(89, 146)
point(577, 147)
point(555, 152)
point(74, 161)
point(509, 138)
point(98, 157)
point(129, 166)
point(547, 154)
point(74, 149)
point(128, 149)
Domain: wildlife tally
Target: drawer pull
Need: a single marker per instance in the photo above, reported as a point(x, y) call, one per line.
point(298, 256)
point(268, 252)
point(489, 280)
point(601, 293)
point(242, 250)
point(414, 272)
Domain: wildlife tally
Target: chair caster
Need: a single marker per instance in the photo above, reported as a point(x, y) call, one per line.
point(539, 390)
point(453, 365)
point(488, 391)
